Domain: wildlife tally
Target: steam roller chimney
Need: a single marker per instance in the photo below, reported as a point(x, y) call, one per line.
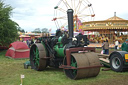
point(70, 22)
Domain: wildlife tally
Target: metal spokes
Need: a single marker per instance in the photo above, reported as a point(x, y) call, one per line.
point(36, 56)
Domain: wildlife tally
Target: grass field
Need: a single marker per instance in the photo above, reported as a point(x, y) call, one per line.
point(11, 69)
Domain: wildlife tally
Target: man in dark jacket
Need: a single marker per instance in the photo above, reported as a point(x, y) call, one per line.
point(124, 46)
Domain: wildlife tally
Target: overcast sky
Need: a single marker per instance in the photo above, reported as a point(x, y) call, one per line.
point(31, 14)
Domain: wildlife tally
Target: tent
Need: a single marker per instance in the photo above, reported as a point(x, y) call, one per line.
point(18, 50)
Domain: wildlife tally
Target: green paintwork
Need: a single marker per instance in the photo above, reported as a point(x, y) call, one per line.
point(36, 56)
point(59, 50)
point(105, 64)
point(118, 62)
point(74, 64)
point(59, 40)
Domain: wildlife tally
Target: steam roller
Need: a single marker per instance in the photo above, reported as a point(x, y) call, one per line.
point(64, 50)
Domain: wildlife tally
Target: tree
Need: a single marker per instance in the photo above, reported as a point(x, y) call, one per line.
point(37, 30)
point(20, 29)
point(8, 28)
point(44, 30)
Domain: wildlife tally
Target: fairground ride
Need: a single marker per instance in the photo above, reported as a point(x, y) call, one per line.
point(83, 12)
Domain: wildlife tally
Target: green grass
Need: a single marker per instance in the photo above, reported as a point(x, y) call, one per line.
point(11, 69)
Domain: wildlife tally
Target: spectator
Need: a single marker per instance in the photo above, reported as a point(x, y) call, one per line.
point(103, 51)
point(25, 41)
point(106, 47)
point(32, 41)
point(124, 46)
point(116, 45)
point(28, 43)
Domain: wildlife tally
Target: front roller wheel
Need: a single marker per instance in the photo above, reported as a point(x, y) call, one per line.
point(37, 52)
point(79, 60)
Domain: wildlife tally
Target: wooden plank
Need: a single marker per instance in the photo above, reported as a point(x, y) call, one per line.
point(105, 60)
point(103, 56)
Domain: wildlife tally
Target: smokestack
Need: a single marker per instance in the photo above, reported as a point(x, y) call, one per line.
point(70, 22)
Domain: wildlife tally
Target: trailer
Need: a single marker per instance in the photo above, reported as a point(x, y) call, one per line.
point(117, 60)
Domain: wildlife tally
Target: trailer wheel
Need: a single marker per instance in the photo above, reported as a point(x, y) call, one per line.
point(116, 63)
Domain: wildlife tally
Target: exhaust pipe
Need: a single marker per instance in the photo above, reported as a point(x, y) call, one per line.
point(70, 22)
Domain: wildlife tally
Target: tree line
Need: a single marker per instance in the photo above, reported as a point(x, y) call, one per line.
point(9, 28)
point(38, 30)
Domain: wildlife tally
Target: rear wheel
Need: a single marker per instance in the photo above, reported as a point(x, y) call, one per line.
point(116, 63)
point(37, 52)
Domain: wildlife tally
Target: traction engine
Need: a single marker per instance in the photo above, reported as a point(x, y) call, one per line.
point(66, 51)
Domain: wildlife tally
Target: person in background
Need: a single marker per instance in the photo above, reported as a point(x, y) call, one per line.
point(31, 42)
point(124, 46)
point(28, 43)
point(103, 47)
point(106, 47)
point(116, 44)
point(25, 41)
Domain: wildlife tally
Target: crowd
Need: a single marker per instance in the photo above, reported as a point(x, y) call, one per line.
point(101, 38)
point(98, 38)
